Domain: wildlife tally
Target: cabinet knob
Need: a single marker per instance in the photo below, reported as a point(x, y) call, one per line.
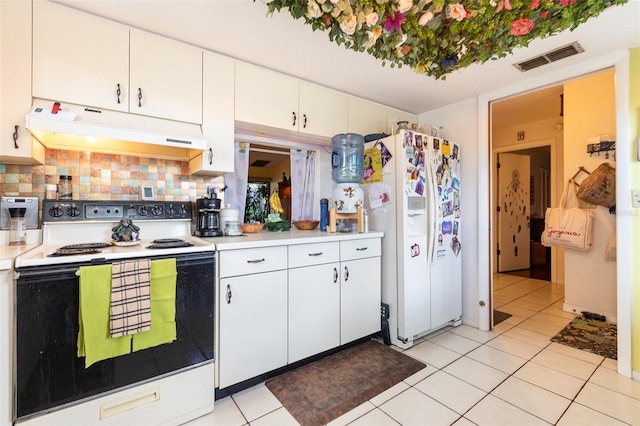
point(294, 118)
point(139, 97)
point(346, 274)
point(256, 260)
point(210, 156)
point(304, 123)
point(118, 92)
point(335, 275)
point(228, 294)
point(15, 137)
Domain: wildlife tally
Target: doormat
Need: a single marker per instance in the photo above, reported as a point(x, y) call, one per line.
point(324, 390)
point(598, 337)
point(498, 317)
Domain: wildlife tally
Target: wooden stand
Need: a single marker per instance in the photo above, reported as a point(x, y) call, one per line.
point(334, 216)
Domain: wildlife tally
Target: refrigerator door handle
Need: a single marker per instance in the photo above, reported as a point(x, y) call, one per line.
point(431, 215)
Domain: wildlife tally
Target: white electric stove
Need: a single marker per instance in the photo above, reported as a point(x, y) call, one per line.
point(166, 384)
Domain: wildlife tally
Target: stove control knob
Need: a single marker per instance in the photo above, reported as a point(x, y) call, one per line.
point(56, 211)
point(143, 211)
point(183, 211)
point(171, 211)
point(73, 211)
point(156, 210)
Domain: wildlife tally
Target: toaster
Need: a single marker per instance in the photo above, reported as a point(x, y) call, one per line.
point(31, 213)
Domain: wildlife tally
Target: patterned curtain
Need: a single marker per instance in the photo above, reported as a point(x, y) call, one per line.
point(236, 193)
point(303, 169)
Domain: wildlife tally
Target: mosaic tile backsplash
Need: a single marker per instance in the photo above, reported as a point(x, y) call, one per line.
point(97, 176)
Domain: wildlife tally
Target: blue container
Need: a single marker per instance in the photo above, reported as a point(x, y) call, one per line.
point(324, 214)
point(347, 158)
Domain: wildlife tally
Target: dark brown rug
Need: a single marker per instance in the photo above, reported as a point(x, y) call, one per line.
point(598, 337)
point(499, 316)
point(324, 390)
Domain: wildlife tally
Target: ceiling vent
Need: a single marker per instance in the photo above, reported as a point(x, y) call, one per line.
point(551, 56)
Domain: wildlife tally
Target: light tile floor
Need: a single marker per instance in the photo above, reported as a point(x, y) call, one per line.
point(512, 375)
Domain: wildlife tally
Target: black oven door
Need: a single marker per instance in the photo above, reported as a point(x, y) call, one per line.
point(49, 373)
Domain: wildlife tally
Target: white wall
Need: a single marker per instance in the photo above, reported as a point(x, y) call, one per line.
point(590, 280)
point(460, 121)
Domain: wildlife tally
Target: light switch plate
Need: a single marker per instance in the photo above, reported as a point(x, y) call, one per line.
point(635, 198)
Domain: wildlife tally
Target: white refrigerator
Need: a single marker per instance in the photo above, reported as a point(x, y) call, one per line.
point(412, 193)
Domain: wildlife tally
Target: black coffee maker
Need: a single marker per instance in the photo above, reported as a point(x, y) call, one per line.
point(208, 210)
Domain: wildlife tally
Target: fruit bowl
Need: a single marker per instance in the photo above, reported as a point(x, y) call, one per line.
point(249, 228)
point(306, 225)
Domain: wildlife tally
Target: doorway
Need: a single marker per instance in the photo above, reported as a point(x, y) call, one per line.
point(526, 133)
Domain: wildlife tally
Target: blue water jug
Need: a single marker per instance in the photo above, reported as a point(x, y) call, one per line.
point(347, 158)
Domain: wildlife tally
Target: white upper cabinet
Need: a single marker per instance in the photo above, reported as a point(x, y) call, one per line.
point(166, 78)
point(272, 99)
point(366, 117)
point(217, 116)
point(266, 97)
point(323, 111)
point(16, 144)
point(86, 60)
point(79, 58)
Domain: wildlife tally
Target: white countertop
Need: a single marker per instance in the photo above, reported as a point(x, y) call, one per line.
point(9, 253)
point(267, 238)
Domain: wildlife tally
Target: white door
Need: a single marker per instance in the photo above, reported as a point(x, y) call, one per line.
point(513, 212)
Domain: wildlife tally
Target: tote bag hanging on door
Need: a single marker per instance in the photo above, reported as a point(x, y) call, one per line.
point(568, 226)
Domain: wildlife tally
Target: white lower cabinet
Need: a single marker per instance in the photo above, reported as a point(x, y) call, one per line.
point(359, 298)
point(314, 310)
point(253, 325)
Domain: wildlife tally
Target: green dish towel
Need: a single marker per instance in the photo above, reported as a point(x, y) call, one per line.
point(163, 306)
point(94, 342)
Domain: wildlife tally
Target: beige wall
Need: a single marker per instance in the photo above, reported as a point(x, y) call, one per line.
point(590, 280)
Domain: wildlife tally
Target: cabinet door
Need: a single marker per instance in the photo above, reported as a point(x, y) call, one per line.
point(253, 325)
point(323, 111)
point(165, 78)
point(79, 58)
point(366, 117)
point(217, 116)
point(359, 299)
point(266, 97)
point(15, 85)
point(314, 310)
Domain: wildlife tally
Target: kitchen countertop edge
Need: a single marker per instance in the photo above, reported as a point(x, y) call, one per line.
point(291, 237)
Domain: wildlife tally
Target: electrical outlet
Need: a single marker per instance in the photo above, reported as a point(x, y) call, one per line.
point(635, 198)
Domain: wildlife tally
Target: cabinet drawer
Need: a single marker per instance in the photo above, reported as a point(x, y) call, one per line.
point(252, 261)
point(313, 254)
point(359, 249)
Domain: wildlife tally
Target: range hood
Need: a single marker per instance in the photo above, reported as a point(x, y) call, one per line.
point(81, 128)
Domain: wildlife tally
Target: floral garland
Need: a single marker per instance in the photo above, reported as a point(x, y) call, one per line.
point(436, 37)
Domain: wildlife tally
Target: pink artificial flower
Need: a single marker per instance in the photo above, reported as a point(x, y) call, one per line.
point(457, 11)
point(522, 26)
point(504, 4)
point(394, 22)
point(535, 4)
point(566, 3)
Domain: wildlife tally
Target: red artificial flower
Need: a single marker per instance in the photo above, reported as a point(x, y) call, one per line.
point(535, 4)
point(566, 3)
point(522, 26)
point(394, 22)
point(544, 14)
point(406, 48)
